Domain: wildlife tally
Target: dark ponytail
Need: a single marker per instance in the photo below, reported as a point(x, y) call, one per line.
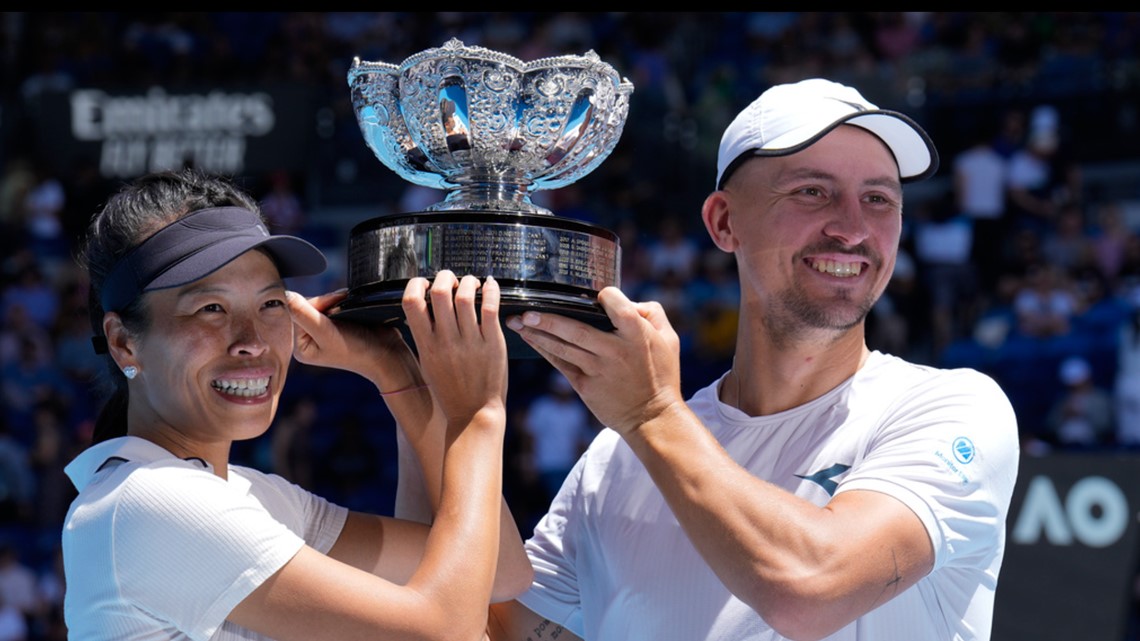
point(130, 217)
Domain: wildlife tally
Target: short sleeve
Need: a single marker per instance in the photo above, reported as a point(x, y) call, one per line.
point(188, 547)
point(554, 593)
point(316, 519)
point(948, 449)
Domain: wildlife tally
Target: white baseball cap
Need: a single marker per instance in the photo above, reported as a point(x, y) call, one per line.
point(790, 117)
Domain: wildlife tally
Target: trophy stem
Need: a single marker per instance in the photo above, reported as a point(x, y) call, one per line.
point(490, 195)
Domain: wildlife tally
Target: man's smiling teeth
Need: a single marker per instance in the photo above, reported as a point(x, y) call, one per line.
point(838, 269)
point(242, 386)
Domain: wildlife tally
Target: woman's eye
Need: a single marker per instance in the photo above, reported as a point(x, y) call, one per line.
point(276, 302)
point(212, 307)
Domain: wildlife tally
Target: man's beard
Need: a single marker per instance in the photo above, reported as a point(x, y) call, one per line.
point(796, 315)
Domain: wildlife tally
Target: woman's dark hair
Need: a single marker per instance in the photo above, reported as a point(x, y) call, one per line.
point(130, 216)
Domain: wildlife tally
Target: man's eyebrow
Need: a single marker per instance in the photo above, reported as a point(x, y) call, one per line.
point(892, 184)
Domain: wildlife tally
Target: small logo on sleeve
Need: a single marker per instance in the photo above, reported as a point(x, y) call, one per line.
point(963, 450)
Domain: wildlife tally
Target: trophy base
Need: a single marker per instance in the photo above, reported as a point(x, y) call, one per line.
point(542, 262)
point(383, 307)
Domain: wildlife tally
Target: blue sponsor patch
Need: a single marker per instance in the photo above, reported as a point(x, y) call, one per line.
point(963, 450)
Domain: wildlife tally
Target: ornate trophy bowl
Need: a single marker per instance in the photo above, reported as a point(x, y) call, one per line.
point(489, 130)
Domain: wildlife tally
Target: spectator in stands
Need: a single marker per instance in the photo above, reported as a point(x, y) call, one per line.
point(18, 582)
point(27, 382)
point(18, 328)
point(979, 185)
point(43, 210)
point(13, 624)
point(33, 291)
point(943, 245)
point(890, 325)
point(17, 482)
point(1126, 387)
point(291, 448)
point(281, 204)
point(1046, 302)
point(1082, 418)
point(1110, 241)
point(558, 428)
point(1043, 177)
point(1067, 244)
point(672, 250)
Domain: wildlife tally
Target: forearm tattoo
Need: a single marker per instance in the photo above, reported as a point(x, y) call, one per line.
point(891, 586)
point(545, 630)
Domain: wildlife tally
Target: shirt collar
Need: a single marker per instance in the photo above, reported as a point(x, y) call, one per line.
point(126, 448)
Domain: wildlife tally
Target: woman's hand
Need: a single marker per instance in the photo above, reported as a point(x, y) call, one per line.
point(461, 346)
point(376, 353)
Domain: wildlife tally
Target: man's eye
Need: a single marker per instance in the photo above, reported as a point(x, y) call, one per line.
point(212, 307)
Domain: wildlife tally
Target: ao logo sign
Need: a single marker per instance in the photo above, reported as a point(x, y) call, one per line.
point(1095, 512)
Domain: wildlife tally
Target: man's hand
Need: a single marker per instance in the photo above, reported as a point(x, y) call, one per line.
point(627, 376)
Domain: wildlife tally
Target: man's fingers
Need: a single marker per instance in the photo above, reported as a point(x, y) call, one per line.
point(561, 339)
point(622, 312)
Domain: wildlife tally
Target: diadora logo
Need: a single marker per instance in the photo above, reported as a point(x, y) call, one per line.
point(963, 450)
point(823, 478)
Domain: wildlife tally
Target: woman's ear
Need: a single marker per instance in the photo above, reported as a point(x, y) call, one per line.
point(718, 222)
point(120, 342)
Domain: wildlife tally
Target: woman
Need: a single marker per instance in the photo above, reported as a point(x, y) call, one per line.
point(167, 540)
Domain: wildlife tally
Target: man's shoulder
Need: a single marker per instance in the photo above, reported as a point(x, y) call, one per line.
point(891, 365)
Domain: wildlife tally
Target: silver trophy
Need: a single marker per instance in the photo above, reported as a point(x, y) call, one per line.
point(489, 130)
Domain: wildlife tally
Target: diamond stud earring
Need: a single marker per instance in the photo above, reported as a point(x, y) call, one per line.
point(130, 371)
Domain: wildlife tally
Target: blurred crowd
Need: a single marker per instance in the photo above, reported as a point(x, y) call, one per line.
point(1019, 258)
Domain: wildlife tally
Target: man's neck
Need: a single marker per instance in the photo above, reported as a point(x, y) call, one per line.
point(767, 379)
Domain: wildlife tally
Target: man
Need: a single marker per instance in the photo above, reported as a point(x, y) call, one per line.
point(817, 489)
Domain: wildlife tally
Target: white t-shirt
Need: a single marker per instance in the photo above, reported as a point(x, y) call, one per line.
point(982, 173)
point(612, 563)
point(558, 427)
point(157, 547)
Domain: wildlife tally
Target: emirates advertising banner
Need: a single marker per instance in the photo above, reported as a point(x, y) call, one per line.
point(128, 134)
point(1071, 549)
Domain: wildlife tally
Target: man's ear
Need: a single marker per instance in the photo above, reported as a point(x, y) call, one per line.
point(120, 342)
point(718, 222)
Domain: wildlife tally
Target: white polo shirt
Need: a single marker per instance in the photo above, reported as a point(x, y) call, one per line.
point(157, 547)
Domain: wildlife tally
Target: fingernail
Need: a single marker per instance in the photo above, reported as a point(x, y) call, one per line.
point(514, 323)
point(530, 318)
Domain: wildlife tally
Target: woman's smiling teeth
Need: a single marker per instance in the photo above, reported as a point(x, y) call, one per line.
point(242, 386)
point(836, 268)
